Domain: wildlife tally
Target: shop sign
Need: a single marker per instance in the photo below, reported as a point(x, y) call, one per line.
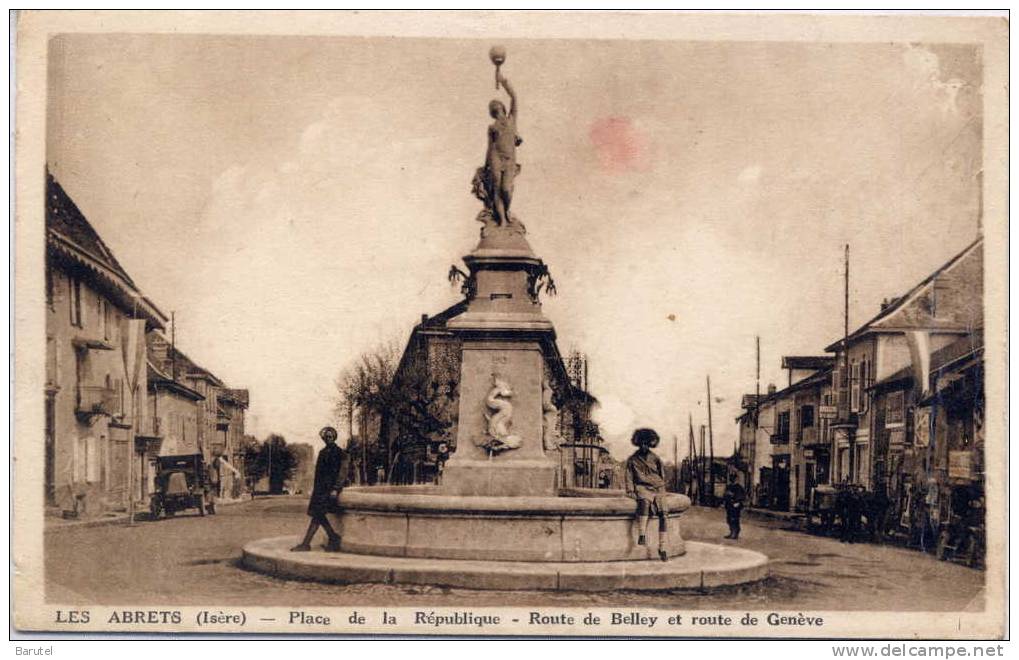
point(827, 412)
point(960, 465)
point(922, 427)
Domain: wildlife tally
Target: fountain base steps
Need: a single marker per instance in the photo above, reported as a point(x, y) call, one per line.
point(702, 566)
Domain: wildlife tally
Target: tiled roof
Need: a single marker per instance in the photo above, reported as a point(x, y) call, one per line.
point(898, 303)
point(807, 361)
point(239, 397)
point(156, 376)
point(819, 377)
point(185, 366)
point(64, 217)
point(957, 349)
point(439, 320)
point(71, 241)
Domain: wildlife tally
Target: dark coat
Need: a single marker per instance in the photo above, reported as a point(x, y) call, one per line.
point(330, 470)
point(734, 497)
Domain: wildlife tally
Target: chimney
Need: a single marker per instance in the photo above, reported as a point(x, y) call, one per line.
point(771, 388)
point(424, 319)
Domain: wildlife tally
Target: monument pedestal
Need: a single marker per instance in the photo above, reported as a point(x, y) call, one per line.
point(516, 478)
point(499, 446)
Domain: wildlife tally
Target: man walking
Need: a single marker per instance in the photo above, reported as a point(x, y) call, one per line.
point(330, 471)
point(733, 498)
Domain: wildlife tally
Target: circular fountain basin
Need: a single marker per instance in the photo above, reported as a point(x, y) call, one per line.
point(704, 566)
point(584, 540)
point(422, 522)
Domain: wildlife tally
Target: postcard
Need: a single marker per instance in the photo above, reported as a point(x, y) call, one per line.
point(611, 324)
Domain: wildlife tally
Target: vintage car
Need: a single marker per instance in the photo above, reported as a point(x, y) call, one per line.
point(181, 483)
point(821, 510)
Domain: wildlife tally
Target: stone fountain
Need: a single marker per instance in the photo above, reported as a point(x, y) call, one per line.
point(499, 519)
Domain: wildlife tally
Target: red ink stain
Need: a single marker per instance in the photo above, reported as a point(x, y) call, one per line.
point(618, 144)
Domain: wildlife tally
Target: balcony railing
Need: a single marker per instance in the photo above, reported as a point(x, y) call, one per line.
point(844, 417)
point(780, 438)
point(96, 400)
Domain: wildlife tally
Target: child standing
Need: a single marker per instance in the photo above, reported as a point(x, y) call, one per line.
point(645, 482)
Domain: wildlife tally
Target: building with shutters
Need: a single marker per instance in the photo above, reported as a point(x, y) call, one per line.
point(945, 306)
point(117, 394)
point(96, 380)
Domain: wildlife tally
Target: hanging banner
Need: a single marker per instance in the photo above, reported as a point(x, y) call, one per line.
point(132, 346)
point(920, 354)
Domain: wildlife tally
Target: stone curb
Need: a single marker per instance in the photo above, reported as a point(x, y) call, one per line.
point(54, 524)
point(704, 566)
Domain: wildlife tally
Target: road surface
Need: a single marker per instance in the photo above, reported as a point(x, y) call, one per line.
point(191, 560)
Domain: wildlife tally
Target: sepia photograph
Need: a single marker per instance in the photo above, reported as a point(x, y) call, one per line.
point(648, 324)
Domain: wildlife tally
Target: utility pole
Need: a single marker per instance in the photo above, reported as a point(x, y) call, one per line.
point(711, 445)
point(691, 457)
point(846, 377)
point(173, 345)
point(700, 467)
point(757, 391)
point(131, 452)
point(675, 461)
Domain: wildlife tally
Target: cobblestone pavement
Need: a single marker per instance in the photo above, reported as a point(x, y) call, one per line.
point(190, 560)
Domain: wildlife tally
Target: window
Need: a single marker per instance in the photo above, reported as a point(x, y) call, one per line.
point(51, 443)
point(49, 286)
point(75, 300)
point(806, 416)
point(91, 459)
point(854, 388)
point(104, 462)
point(79, 459)
point(782, 429)
point(864, 384)
point(895, 413)
point(104, 317)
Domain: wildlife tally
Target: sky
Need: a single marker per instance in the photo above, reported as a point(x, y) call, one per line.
point(299, 200)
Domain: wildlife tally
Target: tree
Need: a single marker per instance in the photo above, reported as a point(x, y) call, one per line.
point(363, 394)
point(400, 404)
point(272, 459)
